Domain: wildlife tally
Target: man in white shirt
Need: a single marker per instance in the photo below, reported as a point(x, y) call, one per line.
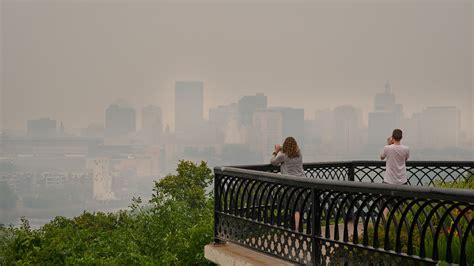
point(396, 156)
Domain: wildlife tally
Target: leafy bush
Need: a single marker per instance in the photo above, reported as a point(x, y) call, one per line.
point(468, 183)
point(428, 240)
point(171, 229)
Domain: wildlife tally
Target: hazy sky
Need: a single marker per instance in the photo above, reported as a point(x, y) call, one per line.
point(69, 60)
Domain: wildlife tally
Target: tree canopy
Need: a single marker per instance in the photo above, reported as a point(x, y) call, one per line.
point(171, 229)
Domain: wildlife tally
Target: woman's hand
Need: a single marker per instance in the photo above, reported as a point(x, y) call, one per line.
point(277, 148)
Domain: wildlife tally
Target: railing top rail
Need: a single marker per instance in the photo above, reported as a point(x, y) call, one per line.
point(363, 163)
point(464, 195)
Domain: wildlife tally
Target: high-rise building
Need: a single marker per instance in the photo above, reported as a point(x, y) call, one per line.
point(292, 122)
point(323, 126)
point(42, 128)
point(120, 120)
point(223, 114)
point(248, 105)
point(347, 131)
point(385, 101)
point(152, 125)
point(268, 126)
point(386, 116)
point(224, 119)
point(188, 107)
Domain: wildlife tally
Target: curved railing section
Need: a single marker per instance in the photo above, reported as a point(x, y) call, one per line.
point(419, 173)
point(344, 221)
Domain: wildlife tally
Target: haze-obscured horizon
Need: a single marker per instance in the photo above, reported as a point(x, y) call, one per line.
point(69, 61)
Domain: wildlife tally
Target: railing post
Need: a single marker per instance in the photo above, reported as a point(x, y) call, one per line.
point(217, 205)
point(351, 172)
point(315, 227)
point(351, 177)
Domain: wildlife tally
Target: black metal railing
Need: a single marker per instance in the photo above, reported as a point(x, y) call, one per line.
point(345, 221)
point(419, 173)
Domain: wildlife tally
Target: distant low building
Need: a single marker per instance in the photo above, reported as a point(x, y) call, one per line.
point(102, 180)
point(44, 128)
point(120, 120)
point(93, 131)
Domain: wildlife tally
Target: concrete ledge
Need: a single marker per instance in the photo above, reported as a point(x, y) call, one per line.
point(232, 254)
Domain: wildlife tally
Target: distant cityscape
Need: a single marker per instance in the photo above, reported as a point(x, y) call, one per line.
point(114, 161)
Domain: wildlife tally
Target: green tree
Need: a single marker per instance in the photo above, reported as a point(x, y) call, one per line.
point(180, 201)
point(171, 229)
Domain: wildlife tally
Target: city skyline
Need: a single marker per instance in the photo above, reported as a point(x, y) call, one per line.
point(252, 122)
point(309, 115)
point(427, 56)
point(139, 110)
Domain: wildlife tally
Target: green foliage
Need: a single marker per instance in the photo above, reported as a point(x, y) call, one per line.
point(468, 183)
point(171, 230)
point(429, 242)
point(7, 197)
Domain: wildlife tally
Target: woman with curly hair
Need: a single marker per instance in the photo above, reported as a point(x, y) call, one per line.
point(290, 160)
point(288, 157)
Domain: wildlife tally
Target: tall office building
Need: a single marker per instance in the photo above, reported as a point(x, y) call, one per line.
point(385, 101)
point(188, 107)
point(386, 116)
point(223, 114)
point(152, 125)
point(268, 126)
point(292, 122)
point(248, 105)
point(225, 119)
point(347, 131)
point(120, 119)
point(323, 126)
point(42, 128)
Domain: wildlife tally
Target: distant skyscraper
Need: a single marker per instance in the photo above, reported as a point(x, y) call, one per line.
point(385, 101)
point(42, 128)
point(225, 119)
point(268, 126)
point(248, 105)
point(347, 129)
point(152, 125)
point(188, 107)
point(386, 117)
point(222, 114)
point(292, 122)
point(323, 125)
point(119, 120)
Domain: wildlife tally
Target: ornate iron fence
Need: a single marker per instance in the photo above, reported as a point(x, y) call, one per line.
point(420, 173)
point(344, 221)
